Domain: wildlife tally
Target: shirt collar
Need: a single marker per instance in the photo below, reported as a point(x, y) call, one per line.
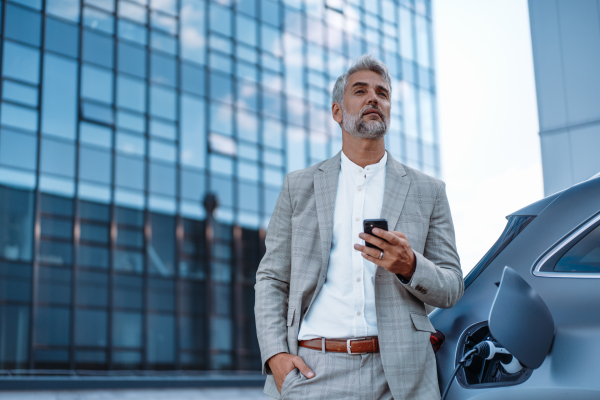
point(349, 166)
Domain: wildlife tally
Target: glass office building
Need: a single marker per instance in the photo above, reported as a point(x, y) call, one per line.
point(143, 145)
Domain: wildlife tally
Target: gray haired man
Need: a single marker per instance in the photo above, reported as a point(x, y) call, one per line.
point(336, 319)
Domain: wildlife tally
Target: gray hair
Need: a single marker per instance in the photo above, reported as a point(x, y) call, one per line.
point(366, 62)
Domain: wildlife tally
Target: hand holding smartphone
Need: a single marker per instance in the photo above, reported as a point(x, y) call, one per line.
point(369, 225)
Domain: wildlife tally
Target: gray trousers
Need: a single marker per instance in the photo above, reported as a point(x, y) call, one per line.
point(337, 376)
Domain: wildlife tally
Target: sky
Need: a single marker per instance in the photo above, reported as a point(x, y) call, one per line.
point(488, 122)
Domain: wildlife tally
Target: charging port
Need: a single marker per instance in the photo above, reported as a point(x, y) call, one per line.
point(501, 370)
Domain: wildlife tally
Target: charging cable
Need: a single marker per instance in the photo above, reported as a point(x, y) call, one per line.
point(486, 349)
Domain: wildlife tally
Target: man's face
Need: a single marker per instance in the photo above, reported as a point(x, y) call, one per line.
point(366, 108)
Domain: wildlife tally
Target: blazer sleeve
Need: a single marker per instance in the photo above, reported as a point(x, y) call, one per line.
point(273, 281)
point(438, 279)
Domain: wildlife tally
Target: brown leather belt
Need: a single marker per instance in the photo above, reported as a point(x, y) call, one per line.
point(350, 346)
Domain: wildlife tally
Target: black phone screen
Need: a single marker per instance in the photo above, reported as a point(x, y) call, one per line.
point(369, 224)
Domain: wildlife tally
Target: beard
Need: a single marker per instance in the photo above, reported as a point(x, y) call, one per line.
point(372, 130)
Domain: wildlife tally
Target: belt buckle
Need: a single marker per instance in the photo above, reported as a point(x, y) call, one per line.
point(348, 344)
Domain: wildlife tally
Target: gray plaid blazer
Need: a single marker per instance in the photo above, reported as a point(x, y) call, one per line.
point(294, 268)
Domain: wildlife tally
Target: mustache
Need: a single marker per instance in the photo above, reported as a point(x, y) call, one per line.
point(372, 107)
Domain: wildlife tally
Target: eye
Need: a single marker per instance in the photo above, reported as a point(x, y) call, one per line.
point(359, 91)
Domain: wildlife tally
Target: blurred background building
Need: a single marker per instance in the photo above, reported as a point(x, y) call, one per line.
point(142, 149)
point(565, 36)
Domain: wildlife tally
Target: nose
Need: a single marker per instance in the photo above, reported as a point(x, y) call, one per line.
point(372, 98)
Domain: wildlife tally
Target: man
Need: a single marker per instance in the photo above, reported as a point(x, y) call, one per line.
point(321, 294)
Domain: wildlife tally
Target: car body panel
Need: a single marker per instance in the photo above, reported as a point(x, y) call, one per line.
point(571, 365)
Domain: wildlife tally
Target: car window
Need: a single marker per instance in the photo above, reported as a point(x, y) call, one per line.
point(584, 256)
point(514, 226)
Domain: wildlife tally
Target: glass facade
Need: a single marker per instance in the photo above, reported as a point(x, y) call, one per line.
point(143, 145)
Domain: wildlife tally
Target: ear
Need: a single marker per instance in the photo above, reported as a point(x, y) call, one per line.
point(336, 112)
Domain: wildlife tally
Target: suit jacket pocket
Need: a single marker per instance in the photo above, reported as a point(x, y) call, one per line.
point(422, 322)
point(290, 316)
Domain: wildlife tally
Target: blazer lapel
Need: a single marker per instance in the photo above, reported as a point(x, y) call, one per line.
point(326, 182)
point(396, 189)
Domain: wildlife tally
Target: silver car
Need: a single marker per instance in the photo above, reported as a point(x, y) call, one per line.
point(531, 308)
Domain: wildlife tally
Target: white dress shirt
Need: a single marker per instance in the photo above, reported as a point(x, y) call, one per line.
point(345, 306)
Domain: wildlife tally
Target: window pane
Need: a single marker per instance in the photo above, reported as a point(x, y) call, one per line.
point(192, 185)
point(163, 151)
point(55, 253)
point(247, 126)
point(247, 95)
point(130, 172)
point(67, 9)
point(584, 256)
point(162, 179)
point(161, 339)
point(193, 132)
point(16, 224)
point(127, 329)
point(132, 59)
point(95, 134)
point(97, 48)
point(97, 84)
point(192, 31)
point(96, 19)
point(21, 62)
point(162, 69)
point(192, 79)
point(163, 129)
point(132, 11)
point(220, 19)
point(14, 348)
point(90, 327)
point(131, 121)
point(128, 261)
point(18, 149)
point(22, 24)
point(62, 37)
point(19, 117)
point(163, 42)
point(20, 93)
point(127, 292)
point(133, 32)
point(131, 144)
point(92, 289)
point(93, 232)
point(162, 247)
point(57, 228)
point(59, 97)
point(221, 87)
point(52, 326)
point(221, 118)
point(92, 256)
point(131, 93)
point(58, 157)
point(223, 189)
point(162, 102)
point(246, 30)
point(167, 6)
point(15, 283)
point(248, 197)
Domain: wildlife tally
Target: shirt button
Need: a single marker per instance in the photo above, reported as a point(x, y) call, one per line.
point(356, 219)
point(358, 313)
point(360, 189)
point(357, 279)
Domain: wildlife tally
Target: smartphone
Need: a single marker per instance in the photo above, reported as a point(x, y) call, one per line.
point(369, 224)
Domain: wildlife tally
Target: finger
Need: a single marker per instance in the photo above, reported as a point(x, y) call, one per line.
point(302, 367)
point(390, 237)
point(375, 259)
point(399, 234)
point(368, 250)
point(382, 244)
